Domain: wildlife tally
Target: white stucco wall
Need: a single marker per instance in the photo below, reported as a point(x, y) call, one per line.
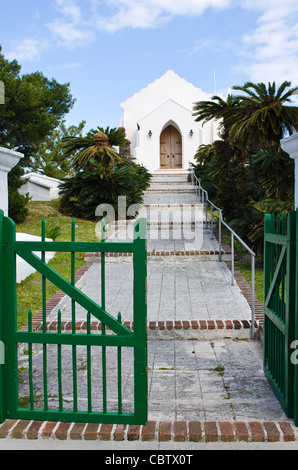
point(40, 187)
point(168, 100)
point(148, 149)
point(8, 160)
point(24, 269)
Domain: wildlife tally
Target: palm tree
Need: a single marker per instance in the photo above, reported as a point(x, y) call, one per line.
point(97, 145)
point(262, 118)
point(217, 109)
point(228, 158)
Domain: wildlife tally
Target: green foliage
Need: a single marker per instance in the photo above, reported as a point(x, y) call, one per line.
point(53, 230)
point(17, 203)
point(246, 173)
point(49, 159)
point(94, 185)
point(34, 107)
point(96, 145)
point(262, 118)
point(101, 174)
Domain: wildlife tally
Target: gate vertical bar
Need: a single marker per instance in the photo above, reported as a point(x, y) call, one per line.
point(44, 321)
point(140, 320)
point(252, 297)
point(103, 326)
point(267, 280)
point(73, 321)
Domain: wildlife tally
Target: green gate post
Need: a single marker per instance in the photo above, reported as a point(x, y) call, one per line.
point(290, 310)
point(2, 341)
point(296, 331)
point(9, 303)
point(140, 320)
point(8, 370)
point(279, 325)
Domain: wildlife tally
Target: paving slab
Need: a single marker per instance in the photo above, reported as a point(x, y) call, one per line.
point(220, 380)
point(177, 290)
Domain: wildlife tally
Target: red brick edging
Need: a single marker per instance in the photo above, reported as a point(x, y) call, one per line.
point(245, 288)
point(156, 325)
point(164, 253)
point(163, 431)
point(55, 299)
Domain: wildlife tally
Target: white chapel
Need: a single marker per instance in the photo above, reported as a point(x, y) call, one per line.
point(160, 126)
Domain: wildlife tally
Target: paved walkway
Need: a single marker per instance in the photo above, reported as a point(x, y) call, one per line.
point(177, 290)
point(202, 365)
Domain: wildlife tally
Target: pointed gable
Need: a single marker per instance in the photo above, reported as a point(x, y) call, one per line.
point(168, 87)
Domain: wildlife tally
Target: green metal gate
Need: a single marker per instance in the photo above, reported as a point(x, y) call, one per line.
point(105, 353)
point(280, 317)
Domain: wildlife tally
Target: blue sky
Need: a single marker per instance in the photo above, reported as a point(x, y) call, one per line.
point(110, 49)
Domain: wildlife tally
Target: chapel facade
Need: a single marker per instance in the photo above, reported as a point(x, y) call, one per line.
point(160, 126)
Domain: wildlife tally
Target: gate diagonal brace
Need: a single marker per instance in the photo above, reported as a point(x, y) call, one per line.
point(276, 274)
point(74, 293)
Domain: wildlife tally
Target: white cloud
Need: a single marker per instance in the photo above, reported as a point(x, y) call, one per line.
point(151, 13)
point(212, 45)
point(270, 51)
point(69, 9)
point(69, 34)
point(27, 50)
point(267, 52)
point(70, 29)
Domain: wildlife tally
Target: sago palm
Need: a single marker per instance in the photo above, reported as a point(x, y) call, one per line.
point(97, 145)
point(262, 117)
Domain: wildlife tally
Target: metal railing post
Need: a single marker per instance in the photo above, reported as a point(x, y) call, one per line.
point(219, 235)
point(233, 235)
point(232, 256)
point(252, 296)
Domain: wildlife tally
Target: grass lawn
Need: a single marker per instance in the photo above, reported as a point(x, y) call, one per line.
point(29, 290)
point(243, 264)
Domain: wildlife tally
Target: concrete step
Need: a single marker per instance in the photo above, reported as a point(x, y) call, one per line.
point(176, 190)
point(172, 186)
point(171, 171)
point(169, 178)
point(167, 175)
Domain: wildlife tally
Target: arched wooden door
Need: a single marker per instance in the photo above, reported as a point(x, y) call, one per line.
point(170, 148)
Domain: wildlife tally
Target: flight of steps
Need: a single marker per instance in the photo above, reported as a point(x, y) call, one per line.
point(176, 224)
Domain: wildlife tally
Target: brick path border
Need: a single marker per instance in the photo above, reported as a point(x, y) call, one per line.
point(154, 325)
point(160, 431)
point(155, 254)
point(245, 288)
point(55, 299)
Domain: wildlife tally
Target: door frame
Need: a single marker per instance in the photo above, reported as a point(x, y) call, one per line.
point(173, 124)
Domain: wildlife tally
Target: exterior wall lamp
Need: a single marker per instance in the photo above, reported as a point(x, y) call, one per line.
point(150, 134)
point(191, 133)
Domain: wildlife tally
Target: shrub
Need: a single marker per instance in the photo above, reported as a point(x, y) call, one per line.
point(17, 203)
point(95, 184)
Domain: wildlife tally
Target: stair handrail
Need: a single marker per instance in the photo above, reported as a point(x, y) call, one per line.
point(202, 194)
